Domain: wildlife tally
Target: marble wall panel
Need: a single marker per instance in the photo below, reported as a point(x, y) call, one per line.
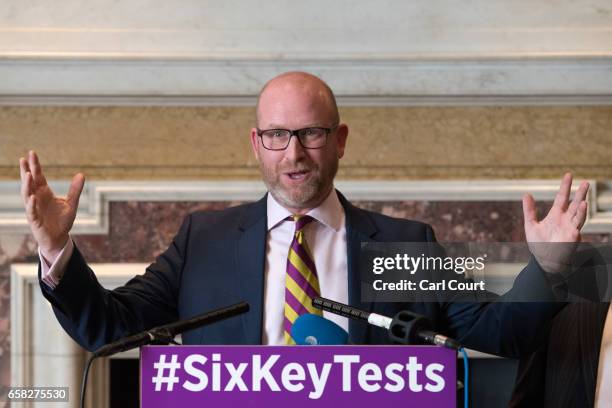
point(139, 231)
point(13, 248)
point(384, 142)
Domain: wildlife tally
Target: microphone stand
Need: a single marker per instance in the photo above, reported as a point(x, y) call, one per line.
point(161, 335)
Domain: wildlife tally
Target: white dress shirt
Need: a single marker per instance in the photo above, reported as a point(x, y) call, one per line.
point(326, 237)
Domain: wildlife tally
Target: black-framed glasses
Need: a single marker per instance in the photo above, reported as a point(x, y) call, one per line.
point(279, 139)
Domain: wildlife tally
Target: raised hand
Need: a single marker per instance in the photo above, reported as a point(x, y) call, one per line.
point(50, 217)
point(552, 240)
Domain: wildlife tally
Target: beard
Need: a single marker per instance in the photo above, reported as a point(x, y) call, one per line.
point(307, 194)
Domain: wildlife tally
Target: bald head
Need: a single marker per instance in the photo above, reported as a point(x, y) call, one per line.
point(281, 93)
point(299, 178)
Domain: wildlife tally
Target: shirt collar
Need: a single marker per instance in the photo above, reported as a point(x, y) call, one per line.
point(330, 212)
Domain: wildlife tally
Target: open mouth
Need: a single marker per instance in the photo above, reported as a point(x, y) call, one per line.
point(298, 175)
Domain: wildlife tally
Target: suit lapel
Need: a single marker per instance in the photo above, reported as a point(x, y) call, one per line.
point(250, 268)
point(359, 228)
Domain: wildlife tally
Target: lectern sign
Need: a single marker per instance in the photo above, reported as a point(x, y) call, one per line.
point(298, 376)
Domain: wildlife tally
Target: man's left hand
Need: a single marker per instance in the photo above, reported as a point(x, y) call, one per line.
point(553, 239)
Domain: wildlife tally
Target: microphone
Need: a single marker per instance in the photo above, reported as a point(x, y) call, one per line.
point(165, 334)
point(313, 330)
point(404, 328)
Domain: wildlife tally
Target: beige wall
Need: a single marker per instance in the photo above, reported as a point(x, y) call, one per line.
point(385, 142)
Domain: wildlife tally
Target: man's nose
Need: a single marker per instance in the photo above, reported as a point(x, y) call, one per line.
point(295, 150)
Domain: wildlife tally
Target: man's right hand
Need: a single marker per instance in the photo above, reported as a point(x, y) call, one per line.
point(50, 217)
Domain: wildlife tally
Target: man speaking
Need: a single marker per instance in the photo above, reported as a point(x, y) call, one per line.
point(301, 240)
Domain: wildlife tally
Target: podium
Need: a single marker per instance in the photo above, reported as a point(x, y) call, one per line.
point(297, 376)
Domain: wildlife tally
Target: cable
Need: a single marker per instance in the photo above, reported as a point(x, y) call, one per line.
point(465, 380)
point(84, 383)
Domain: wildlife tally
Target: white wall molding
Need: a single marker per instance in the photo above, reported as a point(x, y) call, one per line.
point(42, 354)
point(92, 217)
point(548, 79)
point(343, 101)
point(388, 48)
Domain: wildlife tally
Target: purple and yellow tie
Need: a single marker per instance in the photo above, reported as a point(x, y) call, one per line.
point(301, 281)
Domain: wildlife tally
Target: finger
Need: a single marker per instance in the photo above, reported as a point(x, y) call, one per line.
point(76, 188)
point(581, 214)
point(562, 197)
point(31, 163)
point(31, 212)
point(581, 194)
point(529, 210)
point(572, 209)
point(578, 198)
point(27, 187)
point(23, 168)
point(36, 168)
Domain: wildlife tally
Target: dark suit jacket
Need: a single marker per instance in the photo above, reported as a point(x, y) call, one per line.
point(217, 258)
point(562, 372)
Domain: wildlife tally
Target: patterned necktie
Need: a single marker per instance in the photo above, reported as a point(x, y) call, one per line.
point(301, 281)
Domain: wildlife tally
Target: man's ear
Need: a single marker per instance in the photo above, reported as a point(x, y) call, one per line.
point(255, 143)
point(341, 136)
